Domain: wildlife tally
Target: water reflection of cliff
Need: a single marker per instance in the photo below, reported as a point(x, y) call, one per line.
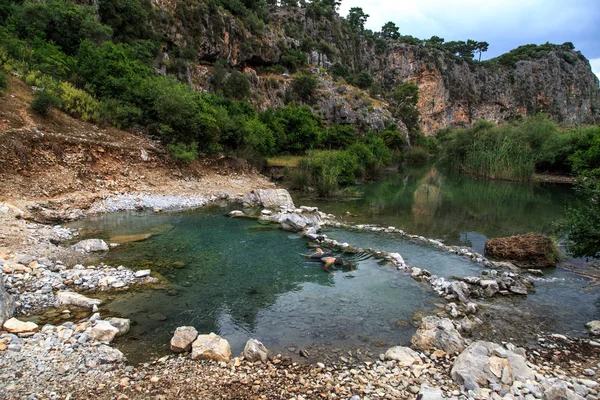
point(427, 198)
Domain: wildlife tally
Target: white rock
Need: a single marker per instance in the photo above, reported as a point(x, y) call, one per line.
point(255, 351)
point(211, 347)
point(593, 327)
point(103, 331)
point(14, 325)
point(403, 355)
point(142, 273)
point(76, 299)
point(90, 245)
point(122, 324)
point(183, 338)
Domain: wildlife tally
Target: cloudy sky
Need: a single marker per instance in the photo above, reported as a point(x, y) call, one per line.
point(504, 24)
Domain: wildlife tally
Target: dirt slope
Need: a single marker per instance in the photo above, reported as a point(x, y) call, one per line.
point(62, 160)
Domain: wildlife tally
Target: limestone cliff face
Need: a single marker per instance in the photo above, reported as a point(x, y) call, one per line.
point(451, 92)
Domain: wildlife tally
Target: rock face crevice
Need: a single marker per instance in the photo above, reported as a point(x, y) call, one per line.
point(452, 92)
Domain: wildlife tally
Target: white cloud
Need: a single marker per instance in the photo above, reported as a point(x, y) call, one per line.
point(595, 62)
point(505, 24)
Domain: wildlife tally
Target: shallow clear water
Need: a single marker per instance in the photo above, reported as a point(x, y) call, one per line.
point(241, 279)
point(456, 208)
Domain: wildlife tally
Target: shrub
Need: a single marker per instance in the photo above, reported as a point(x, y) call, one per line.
point(43, 102)
point(339, 136)
point(3, 82)
point(236, 85)
point(364, 80)
point(339, 70)
point(184, 152)
point(304, 86)
point(294, 59)
point(416, 156)
point(393, 139)
point(79, 103)
point(300, 178)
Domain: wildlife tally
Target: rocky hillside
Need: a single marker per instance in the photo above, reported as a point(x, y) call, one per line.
point(452, 92)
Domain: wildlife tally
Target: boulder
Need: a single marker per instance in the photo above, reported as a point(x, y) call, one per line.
point(525, 251)
point(90, 246)
point(593, 327)
point(404, 355)
point(7, 303)
point(211, 347)
point(122, 324)
point(485, 362)
point(429, 393)
point(76, 299)
point(142, 273)
point(298, 222)
point(14, 325)
point(103, 331)
point(268, 198)
point(560, 391)
point(438, 333)
point(183, 338)
point(255, 351)
point(109, 355)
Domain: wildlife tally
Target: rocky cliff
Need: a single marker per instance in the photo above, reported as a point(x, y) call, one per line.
point(452, 92)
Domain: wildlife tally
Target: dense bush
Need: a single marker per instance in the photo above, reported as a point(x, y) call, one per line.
point(294, 59)
point(43, 102)
point(3, 82)
point(184, 152)
point(304, 86)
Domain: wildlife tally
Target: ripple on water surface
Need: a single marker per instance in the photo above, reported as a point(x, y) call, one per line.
point(241, 279)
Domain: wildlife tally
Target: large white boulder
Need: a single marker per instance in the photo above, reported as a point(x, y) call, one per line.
point(122, 324)
point(593, 327)
point(211, 347)
point(438, 333)
point(269, 198)
point(76, 299)
point(484, 362)
point(183, 338)
point(103, 331)
point(404, 355)
point(90, 246)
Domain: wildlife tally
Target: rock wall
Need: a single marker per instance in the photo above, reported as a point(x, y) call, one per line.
point(451, 92)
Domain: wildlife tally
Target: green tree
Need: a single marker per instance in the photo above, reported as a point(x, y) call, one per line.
point(356, 19)
point(236, 85)
point(304, 86)
point(435, 41)
point(127, 18)
point(364, 80)
point(339, 70)
point(390, 31)
point(481, 47)
point(582, 223)
point(404, 100)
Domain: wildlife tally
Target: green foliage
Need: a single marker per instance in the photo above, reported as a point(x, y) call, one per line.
point(127, 18)
point(59, 21)
point(43, 102)
point(530, 51)
point(236, 85)
point(390, 31)
point(296, 129)
point(79, 103)
point(416, 156)
point(404, 101)
point(393, 139)
point(339, 136)
point(339, 70)
point(4, 82)
point(294, 59)
point(364, 80)
point(582, 222)
point(304, 86)
point(184, 152)
point(356, 19)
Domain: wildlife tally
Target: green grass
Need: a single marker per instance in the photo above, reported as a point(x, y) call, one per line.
point(285, 161)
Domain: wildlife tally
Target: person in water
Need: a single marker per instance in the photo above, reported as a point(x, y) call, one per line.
point(328, 259)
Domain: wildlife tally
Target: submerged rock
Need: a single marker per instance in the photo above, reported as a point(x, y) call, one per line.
point(438, 333)
point(183, 338)
point(525, 251)
point(130, 238)
point(211, 347)
point(90, 246)
point(486, 362)
point(255, 351)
